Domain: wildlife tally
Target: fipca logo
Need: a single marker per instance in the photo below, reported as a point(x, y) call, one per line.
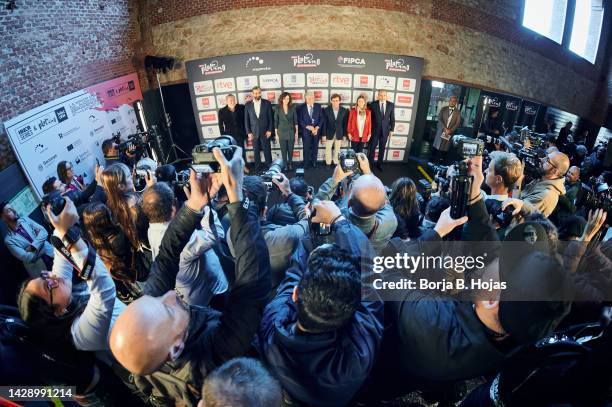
point(396, 65)
point(212, 68)
point(256, 64)
point(351, 62)
point(305, 61)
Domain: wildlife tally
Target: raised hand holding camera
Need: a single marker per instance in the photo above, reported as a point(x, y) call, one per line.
point(232, 173)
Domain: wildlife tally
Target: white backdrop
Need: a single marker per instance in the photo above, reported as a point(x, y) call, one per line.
point(72, 128)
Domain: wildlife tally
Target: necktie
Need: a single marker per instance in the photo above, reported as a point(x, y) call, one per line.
point(310, 111)
point(382, 109)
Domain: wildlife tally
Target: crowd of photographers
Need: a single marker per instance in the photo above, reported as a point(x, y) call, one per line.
point(177, 289)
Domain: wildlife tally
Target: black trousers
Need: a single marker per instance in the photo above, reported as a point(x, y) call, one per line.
point(262, 143)
point(311, 144)
point(357, 146)
point(381, 143)
point(286, 146)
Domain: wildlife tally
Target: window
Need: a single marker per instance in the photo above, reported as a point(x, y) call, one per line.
point(546, 17)
point(586, 28)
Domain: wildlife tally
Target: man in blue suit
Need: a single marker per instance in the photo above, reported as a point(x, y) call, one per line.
point(310, 118)
point(383, 123)
point(259, 122)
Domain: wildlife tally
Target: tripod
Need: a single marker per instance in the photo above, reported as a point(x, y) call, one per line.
point(173, 150)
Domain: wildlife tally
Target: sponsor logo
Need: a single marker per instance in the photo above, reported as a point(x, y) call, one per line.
point(203, 87)
point(511, 105)
point(530, 110)
point(91, 133)
point(69, 147)
point(98, 129)
point(39, 148)
point(404, 99)
point(83, 155)
point(212, 68)
point(396, 65)
point(341, 80)
point(114, 121)
point(493, 101)
point(395, 154)
point(305, 61)
point(297, 96)
point(271, 96)
point(317, 79)
point(61, 114)
point(256, 64)
point(351, 62)
point(120, 89)
point(77, 143)
point(225, 85)
point(77, 160)
point(131, 85)
point(363, 81)
point(25, 133)
point(40, 167)
point(272, 81)
point(93, 118)
point(49, 160)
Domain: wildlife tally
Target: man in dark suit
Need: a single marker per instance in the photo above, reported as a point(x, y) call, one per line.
point(231, 121)
point(310, 119)
point(383, 122)
point(336, 118)
point(259, 122)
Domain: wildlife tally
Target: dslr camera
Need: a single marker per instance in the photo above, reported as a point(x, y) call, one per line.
point(502, 217)
point(348, 161)
point(55, 200)
point(274, 172)
point(204, 161)
point(317, 228)
point(138, 141)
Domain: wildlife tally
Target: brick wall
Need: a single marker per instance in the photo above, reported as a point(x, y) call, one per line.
point(50, 48)
point(474, 42)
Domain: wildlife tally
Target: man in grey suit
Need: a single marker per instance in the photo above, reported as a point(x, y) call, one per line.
point(27, 241)
point(336, 118)
point(449, 119)
point(259, 123)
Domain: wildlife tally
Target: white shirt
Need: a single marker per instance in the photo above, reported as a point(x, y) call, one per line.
point(361, 123)
point(257, 106)
point(382, 103)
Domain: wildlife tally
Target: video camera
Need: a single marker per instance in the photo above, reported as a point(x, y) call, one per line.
point(461, 181)
point(596, 195)
point(348, 161)
point(204, 161)
point(273, 173)
point(440, 179)
point(137, 142)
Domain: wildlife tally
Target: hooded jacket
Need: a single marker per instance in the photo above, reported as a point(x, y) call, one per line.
point(543, 195)
point(322, 369)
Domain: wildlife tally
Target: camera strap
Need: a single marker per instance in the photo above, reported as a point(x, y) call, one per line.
point(90, 261)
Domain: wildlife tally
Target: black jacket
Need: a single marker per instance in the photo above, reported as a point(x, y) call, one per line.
point(258, 126)
point(232, 123)
point(335, 125)
point(213, 338)
point(381, 126)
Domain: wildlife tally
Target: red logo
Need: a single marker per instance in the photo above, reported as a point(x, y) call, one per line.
point(363, 80)
point(296, 154)
point(404, 99)
point(271, 96)
point(318, 94)
point(406, 83)
point(207, 117)
point(396, 154)
point(297, 96)
point(225, 85)
point(206, 102)
point(341, 80)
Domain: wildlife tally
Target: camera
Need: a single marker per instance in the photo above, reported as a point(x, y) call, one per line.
point(55, 200)
point(439, 177)
point(274, 172)
point(317, 228)
point(502, 217)
point(460, 187)
point(468, 147)
point(204, 161)
point(137, 141)
point(595, 195)
point(182, 179)
point(348, 161)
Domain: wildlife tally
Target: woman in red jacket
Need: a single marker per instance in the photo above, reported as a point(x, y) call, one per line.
point(359, 125)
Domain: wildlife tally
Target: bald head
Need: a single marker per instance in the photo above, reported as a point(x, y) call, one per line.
point(367, 195)
point(150, 331)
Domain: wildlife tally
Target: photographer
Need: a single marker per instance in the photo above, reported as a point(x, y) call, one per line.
point(365, 204)
point(566, 206)
point(171, 367)
point(112, 155)
point(92, 193)
point(280, 240)
point(504, 170)
point(542, 194)
point(443, 340)
point(281, 213)
point(200, 275)
point(317, 336)
point(403, 199)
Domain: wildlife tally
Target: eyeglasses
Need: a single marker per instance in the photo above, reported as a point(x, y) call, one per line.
point(50, 284)
point(547, 160)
